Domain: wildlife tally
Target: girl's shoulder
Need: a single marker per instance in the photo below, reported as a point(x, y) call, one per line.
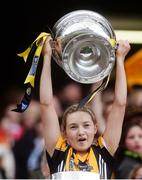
point(61, 144)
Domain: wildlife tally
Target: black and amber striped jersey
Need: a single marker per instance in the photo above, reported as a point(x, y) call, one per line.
point(97, 159)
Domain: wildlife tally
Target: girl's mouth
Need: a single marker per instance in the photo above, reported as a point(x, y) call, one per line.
point(82, 139)
point(137, 147)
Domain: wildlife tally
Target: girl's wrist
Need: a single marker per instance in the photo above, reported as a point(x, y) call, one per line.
point(47, 55)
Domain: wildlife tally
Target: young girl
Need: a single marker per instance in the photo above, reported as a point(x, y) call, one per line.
point(72, 148)
point(129, 153)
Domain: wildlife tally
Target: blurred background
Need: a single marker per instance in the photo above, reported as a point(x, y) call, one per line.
point(21, 22)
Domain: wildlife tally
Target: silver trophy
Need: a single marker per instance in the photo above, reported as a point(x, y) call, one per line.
point(86, 53)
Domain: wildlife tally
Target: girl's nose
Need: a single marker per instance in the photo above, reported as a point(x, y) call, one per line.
point(137, 139)
point(80, 130)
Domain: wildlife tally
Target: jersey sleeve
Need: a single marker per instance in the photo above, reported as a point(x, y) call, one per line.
point(58, 155)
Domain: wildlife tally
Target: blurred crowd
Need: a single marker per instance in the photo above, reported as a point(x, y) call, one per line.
point(22, 153)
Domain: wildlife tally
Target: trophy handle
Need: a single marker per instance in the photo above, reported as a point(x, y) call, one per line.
point(91, 95)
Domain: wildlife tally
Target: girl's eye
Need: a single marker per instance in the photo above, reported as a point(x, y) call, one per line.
point(131, 137)
point(140, 136)
point(86, 125)
point(73, 127)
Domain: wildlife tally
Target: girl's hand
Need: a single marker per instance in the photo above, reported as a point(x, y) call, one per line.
point(47, 50)
point(58, 45)
point(123, 48)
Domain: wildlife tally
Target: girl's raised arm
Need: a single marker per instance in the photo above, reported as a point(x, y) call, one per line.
point(48, 114)
point(115, 118)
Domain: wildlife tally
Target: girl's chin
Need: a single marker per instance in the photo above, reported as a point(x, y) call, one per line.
point(82, 150)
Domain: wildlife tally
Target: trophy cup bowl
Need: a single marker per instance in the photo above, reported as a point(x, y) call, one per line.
point(86, 54)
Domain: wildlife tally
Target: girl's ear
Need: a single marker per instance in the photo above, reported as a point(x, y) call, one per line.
point(65, 137)
point(95, 129)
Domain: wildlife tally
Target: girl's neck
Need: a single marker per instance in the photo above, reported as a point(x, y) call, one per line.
point(83, 156)
point(82, 153)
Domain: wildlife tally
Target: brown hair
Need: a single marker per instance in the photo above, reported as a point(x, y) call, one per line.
point(74, 108)
point(133, 120)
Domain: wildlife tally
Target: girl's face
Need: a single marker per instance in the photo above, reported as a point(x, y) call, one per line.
point(80, 131)
point(133, 140)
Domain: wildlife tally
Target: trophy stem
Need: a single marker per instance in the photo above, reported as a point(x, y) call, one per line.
point(89, 97)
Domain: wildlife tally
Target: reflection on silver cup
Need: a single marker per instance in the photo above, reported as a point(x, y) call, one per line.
point(86, 54)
